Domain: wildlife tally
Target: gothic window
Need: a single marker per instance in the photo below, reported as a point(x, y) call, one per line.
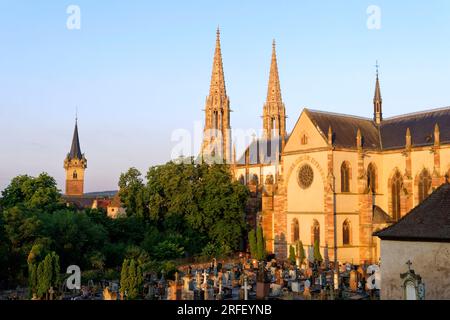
point(372, 178)
point(424, 185)
point(295, 231)
point(396, 186)
point(315, 232)
point(345, 177)
point(305, 176)
point(346, 233)
point(75, 175)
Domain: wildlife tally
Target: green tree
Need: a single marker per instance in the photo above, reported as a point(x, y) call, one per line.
point(291, 255)
point(252, 243)
point(317, 254)
point(260, 244)
point(132, 193)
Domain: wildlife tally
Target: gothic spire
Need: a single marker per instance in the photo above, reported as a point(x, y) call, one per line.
point(274, 91)
point(217, 78)
point(377, 101)
point(75, 150)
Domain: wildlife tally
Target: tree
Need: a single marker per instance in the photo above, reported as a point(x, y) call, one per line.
point(44, 275)
point(300, 252)
point(32, 192)
point(317, 255)
point(260, 244)
point(131, 279)
point(252, 243)
point(291, 254)
point(132, 193)
point(124, 281)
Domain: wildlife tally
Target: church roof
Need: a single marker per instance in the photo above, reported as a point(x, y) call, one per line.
point(430, 221)
point(390, 134)
point(345, 128)
point(421, 125)
point(261, 151)
point(75, 150)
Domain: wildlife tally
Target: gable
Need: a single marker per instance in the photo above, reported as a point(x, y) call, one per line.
point(304, 127)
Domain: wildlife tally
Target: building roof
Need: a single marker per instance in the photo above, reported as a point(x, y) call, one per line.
point(345, 128)
point(380, 216)
point(75, 149)
point(430, 221)
point(262, 151)
point(390, 134)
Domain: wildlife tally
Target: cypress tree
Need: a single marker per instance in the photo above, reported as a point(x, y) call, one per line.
point(252, 243)
point(124, 277)
point(317, 255)
point(260, 246)
point(132, 281)
point(300, 251)
point(292, 254)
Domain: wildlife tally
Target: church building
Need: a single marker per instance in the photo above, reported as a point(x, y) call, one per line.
point(335, 178)
point(75, 164)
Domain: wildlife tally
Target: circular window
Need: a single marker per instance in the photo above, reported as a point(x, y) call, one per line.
point(305, 176)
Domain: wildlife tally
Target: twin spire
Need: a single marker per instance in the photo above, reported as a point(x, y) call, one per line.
point(217, 78)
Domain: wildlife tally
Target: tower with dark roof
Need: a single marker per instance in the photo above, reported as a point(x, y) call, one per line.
point(75, 165)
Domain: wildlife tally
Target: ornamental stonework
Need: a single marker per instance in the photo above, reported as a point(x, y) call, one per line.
point(305, 176)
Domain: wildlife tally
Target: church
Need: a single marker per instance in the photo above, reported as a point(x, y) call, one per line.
point(335, 178)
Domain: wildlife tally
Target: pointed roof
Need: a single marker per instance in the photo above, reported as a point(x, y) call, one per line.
point(75, 150)
point(274, 91)
point(217, 77)
point(430, 221)
point(377, 96)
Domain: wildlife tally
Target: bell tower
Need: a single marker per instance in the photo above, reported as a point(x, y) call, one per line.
point(75, 164)
point(377, 102)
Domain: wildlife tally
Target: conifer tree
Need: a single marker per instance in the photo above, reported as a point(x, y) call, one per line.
point(317, 255)
point(124, 281)
point(291, 254)
point(300, 252)
point(260, 245)
point(252, 243)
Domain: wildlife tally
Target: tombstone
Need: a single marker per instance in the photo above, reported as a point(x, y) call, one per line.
point(353, 280)
point(307, 290)
point(51, 293)
point(275, 290)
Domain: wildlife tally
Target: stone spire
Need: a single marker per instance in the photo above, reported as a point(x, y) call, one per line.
point(274, 113)
point(216, 136)
point(377, 102)
point(218, 78)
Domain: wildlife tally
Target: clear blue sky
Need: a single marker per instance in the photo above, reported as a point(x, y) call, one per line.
point(137, 70)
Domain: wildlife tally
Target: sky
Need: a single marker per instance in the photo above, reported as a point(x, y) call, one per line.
point(138, 71)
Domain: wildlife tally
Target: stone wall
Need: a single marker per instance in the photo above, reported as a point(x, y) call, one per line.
point(430, 260)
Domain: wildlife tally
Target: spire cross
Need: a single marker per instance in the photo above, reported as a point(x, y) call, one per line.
point(76, 114)
point(377, 66)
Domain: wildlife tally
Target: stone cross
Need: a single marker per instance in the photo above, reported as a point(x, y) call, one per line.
point(409, 263)
point(246, 287)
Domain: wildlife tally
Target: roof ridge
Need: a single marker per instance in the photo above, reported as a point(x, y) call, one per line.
point(417, 113)
point(340, 114)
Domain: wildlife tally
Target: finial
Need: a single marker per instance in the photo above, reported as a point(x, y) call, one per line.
point(76, 114)
point(377, 67)
point(330, 135)
point(218, 31)
point(274, 43)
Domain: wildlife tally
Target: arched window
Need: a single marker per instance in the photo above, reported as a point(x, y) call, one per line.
point(346, 233)
point(424, 185)
point(295, 228)
point(372, 178)
point(315, 232)
point(396, 186)
point(345, 177)
point(75, 175)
